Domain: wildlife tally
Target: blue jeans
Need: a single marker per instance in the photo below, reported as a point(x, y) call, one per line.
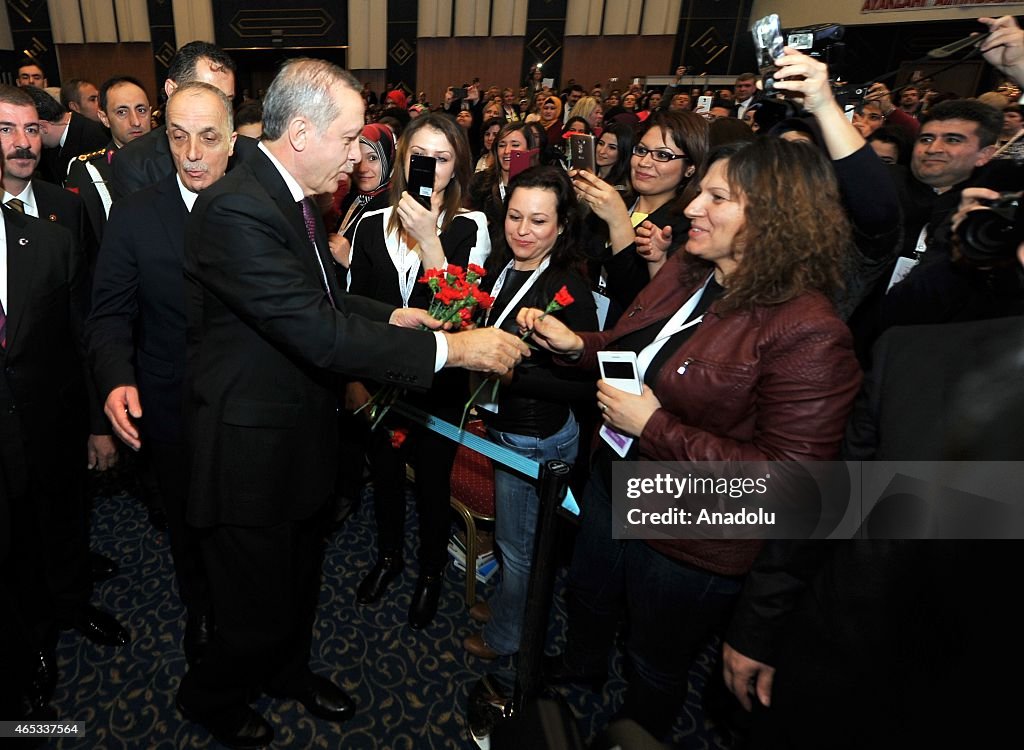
point(516, 506)
point(671, 608)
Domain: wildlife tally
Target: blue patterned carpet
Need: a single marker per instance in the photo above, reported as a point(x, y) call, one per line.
point(411, 687)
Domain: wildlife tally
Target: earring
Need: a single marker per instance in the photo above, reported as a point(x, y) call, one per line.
point(689, 172)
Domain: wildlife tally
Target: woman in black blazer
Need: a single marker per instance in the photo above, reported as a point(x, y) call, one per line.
point(391, 249)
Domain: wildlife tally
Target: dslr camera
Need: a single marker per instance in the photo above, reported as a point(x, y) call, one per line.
point(992, 234)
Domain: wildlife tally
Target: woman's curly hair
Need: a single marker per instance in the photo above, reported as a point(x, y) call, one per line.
point(796, 234)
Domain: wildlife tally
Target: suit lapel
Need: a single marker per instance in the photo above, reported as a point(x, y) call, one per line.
point(172, 212)
point(21, 263)
point(275, 186)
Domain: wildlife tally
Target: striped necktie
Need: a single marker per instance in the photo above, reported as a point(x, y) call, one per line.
point(17, 204)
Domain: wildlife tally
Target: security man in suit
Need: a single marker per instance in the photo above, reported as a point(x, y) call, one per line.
point(124, 109)
point(19, 146)
point(47, 416)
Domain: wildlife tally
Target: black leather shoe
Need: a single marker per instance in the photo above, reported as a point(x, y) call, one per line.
point(424, 601)
point(372, 588)
point(558, 671)
point(100, 627)
point(242, 728)
point(198, 630)
point(101, 567)
point(323, 699)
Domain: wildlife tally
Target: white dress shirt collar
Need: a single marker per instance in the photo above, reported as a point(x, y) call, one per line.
point(293, 185)
point(28, 198)
point(187, 195)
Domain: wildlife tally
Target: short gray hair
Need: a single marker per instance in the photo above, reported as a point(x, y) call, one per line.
point(303, 87)
point(195, 86)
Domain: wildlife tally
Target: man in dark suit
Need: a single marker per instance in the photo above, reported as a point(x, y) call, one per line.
point(65, 135)
point(136, 328)
point(268, 328)
point(43, 436)
point(19, 143)
point(148, 159)
point(124, 108)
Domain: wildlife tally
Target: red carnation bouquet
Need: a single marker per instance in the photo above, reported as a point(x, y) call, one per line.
point(562, 299)
point(457, 299)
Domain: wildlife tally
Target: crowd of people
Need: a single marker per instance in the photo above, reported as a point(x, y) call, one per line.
point(225, 292)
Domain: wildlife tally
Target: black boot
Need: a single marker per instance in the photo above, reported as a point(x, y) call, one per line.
point(424, 601)
point(372, 588)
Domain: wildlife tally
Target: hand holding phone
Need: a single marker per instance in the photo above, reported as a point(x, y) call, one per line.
point(768, 41)
point(420, 179)
point(620, 370)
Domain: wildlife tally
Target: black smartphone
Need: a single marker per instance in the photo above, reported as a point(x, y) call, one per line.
point(581, 152)
point(459, 93)
point(421, 178)
point(768, 41)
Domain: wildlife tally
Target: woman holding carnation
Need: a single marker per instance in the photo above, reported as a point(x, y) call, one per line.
point(393, 248)
point(743, 358)
point(538, 262)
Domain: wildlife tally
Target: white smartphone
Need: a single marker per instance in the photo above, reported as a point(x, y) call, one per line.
point(619, 370)
point(703, 104)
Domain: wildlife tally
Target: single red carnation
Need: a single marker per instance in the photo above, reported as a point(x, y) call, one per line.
point(563, 297)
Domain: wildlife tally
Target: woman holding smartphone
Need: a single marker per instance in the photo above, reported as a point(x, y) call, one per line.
point(612, 154)
point(538, 256)
point(391, 250)
point(742, 358)
point(662, 166)
point(487, 191)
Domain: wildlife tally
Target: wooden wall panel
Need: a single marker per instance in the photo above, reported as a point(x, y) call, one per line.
point(97, 62)
point(453, 61)
point(589, 59)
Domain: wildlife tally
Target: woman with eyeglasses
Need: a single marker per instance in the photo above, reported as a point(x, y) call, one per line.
point(661, 166)
point(742, 358)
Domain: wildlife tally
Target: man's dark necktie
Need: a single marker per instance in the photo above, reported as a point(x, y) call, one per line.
point(310, 218)
point(17, 204)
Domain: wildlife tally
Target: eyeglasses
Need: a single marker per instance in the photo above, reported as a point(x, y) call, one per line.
point(661, 154)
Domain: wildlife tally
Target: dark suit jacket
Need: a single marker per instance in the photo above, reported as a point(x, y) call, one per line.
point(147, 160)
point(65, 208)
point(136, 328)
point(264, 344)
point(84, 136)
point(42, 367)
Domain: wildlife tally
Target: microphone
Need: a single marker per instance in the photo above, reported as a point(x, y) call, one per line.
point(941, 53)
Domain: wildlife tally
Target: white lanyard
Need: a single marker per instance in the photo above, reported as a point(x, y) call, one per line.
point(519, 294)
point(674, 325)
point(407, 262)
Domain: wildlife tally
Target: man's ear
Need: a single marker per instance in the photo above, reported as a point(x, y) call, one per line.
point(298, 132)
point(104, 120)
point(73, 106)
point(170, 87)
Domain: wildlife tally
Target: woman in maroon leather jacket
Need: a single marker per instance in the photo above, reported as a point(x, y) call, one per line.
point(743, 358)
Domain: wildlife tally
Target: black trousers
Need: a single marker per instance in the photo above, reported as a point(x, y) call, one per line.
point(264, 588)
point(432, 457)
point(171, 471)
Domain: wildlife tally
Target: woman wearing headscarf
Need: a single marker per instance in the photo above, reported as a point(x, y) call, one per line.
point(369, 187)
point(551, 118)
